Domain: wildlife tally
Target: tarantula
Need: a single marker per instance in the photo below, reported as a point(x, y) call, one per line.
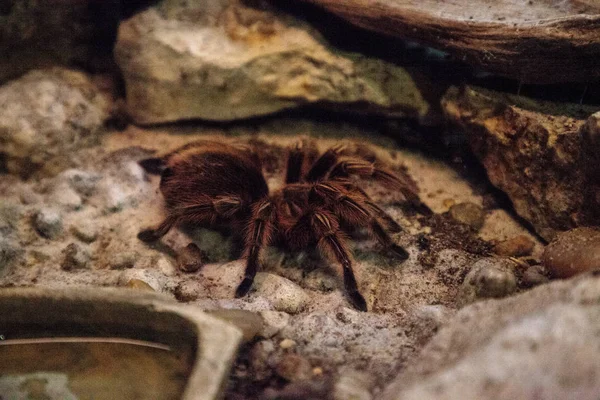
point(209, 182)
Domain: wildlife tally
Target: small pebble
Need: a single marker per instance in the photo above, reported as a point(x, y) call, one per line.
point(518, 246)
point(533, 276)
point(573, 252)
point(187, 291)
point(85, 231)
point(284, 294)
point(28, 196)
point(139, 284)
point(165, 266)
point(190, 258)
point(74, 257)
point(489, 277)
point(123, 260)
point(48, 223)
point(273, 322)
point(142, 277)
point(82, 181)
point(287, 344)
point(66, 197)
point(353, 384)
point(293, 368)
point(248, 322)
point(468, 213)
point(112, 195)
point(9, 250)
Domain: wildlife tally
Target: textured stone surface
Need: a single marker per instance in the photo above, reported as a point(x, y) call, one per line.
point(542, 344)
point(224, 60)
point(48, 115)
point(573, 252)
point(536, 41)
point(543, 155)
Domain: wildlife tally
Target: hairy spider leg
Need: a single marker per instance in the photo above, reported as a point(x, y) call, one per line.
point(323, 164)
point(364, 169)
point(259, 235)
point(203, 210)
point(294, 164)
point(349, 207)
point(332, 243)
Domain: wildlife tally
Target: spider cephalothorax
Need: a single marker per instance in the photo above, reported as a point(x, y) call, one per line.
point(208, 182)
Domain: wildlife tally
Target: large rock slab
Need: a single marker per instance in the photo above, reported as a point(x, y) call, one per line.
point(224, 60)
point(542, 344)
point(543, 155)
point(46, 115)
point(536, 42)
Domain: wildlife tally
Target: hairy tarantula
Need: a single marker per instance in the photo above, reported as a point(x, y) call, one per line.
point(209, 182)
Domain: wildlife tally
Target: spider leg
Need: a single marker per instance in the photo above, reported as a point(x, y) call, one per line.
point(365, 169)
point(202, 210)
point(332, 243)
point(389, 222)
point(294, 164)
point(323, 164)
point(347, 206)
point(259, 235)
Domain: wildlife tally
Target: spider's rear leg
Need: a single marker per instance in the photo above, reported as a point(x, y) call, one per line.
point(294, 164)
point(365, 169)
point(204, 210)
point(331, 242)
point(258, 236)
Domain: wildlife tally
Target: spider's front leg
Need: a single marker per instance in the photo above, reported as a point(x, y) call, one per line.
point(258, 235)
point(331, 242)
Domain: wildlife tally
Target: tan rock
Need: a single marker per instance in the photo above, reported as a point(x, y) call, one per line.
point(573, 252)
point(221, 60)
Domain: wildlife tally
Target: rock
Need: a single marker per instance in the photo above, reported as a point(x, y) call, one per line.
point(48, 115)
point(538, 344)
point(536, 152)
point(123, 260)
point(273, 322)
point(468, 214)
point(549, 41)
point(9, 251)
point(518, 246)
point(48, 223)
point(227, 60)
point(573, 252)
point(74, 257)
point(353, 384)
point(142, 279)
point(533, 276)
point(139, 284)
point(165, 266)
point(293, 368)
point(189, 258)
point(489, 277)
point(84, 182)
point(85, 231)
point(112, 196)
point(284, 294)
point(187, 291)
point(287, 344)
point(65, 197)
point(248, 322)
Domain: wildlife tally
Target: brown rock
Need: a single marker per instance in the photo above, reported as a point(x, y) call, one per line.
point(538, 42)
point(294, 367)
point(468, 214)
point(573, 252)
point(539, 153)
point(190, 258)
point(518, 246)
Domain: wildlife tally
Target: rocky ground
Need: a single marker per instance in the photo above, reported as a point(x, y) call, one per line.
point(477, 310)
point(79, 227)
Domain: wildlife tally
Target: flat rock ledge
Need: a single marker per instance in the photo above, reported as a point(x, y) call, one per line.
point(547, 41)
point(221, 60)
